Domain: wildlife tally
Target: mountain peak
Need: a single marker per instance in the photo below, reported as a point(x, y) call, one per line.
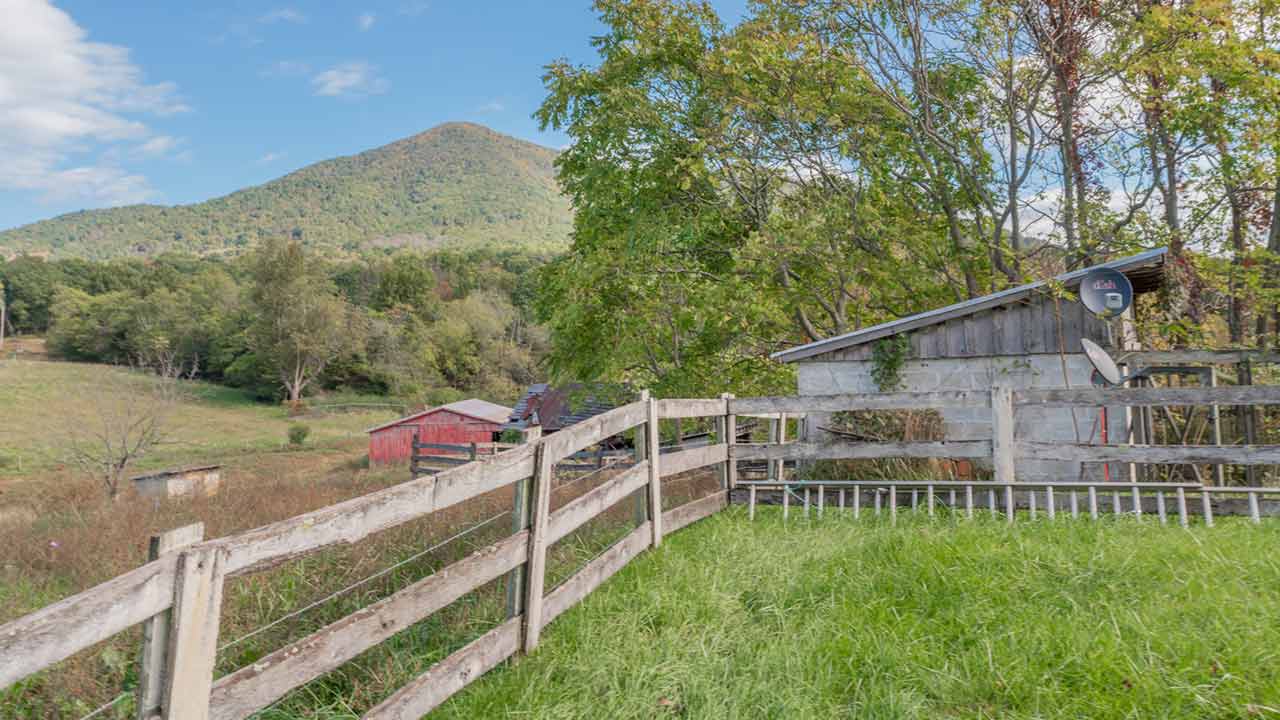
point(458, 183)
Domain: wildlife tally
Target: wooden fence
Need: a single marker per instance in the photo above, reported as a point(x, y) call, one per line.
point(1007, 494)
point(177, 595)
point(449, 454)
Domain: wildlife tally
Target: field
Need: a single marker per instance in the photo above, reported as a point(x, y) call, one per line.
point(59, 534)
point(738, 619)
point(38, 399)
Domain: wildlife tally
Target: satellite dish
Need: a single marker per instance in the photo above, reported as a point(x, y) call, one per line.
point(1102, 362)
point(1106, 292)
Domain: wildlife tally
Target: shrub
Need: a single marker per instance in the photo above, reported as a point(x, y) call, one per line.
point(298, 434)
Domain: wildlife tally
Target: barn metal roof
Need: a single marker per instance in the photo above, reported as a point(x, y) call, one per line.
point(473, 408)
point(1143, 270)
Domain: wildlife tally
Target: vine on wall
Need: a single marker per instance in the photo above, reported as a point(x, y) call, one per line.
point(887, 358)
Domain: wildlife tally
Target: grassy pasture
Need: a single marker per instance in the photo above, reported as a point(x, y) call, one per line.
point(835, 618)
point(38, 399)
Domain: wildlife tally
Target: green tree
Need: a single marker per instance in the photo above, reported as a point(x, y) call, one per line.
point(300, 323)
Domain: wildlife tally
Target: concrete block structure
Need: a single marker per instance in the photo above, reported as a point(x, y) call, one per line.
point(1023, 337)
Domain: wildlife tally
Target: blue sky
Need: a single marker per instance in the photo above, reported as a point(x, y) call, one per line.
point(111, 103)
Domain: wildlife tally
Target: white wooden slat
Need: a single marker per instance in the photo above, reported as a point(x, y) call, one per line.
point(858, 401)
point(849, 450)
point(36, 641)
point(690, 408)
point(1146, 396)
point(1152, 454)
point(360, 517)
point(594, 573)
point(597, 500)
point(570, 440)
point(694, 458)
point(691, 512)
point(450, 675)
point(257, 685)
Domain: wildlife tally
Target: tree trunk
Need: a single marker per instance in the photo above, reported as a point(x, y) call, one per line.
point(1271, 272)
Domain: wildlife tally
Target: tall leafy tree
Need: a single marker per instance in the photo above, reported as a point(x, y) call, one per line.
point(301, 324)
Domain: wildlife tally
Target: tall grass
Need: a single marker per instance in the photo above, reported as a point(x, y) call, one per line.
point(974, 619)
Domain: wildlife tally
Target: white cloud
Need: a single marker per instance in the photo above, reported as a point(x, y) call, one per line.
point(493, 106)
point(351, 79)
point(271, 157)
point(289, 15)
point(366, 21)
point(286, 68)
point(159, 145)
point(64, 97)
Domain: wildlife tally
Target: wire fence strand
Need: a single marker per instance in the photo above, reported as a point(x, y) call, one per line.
point(359, 583)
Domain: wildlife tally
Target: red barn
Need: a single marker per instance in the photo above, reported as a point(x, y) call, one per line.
point(460, 423)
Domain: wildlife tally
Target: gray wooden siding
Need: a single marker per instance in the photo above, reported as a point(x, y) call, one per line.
point(1025, 328)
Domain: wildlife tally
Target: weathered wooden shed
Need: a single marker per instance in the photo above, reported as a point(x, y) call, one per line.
point(555, 408)
point(1021, 337)
point(200, 481)
point(461, 423)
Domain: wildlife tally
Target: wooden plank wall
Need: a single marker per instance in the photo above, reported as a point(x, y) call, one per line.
point(1028, 327)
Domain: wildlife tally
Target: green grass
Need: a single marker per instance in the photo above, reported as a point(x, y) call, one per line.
point(39, 400)
point(734, 619)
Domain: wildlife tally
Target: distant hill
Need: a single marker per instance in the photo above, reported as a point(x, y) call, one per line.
point(456, 184)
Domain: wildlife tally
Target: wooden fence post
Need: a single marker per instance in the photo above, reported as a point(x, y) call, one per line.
point(780, 438)
point(413, 456)
point(655, 476)
point(520, 513)
point(641, 452)
point(473, 452)
point(730, 425)
point(193, 641)
point(536, 577)
point(156, 631)
point(1002, 441)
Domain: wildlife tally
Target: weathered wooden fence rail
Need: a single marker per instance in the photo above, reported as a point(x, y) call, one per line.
point(177, 594)
point(1007, 493)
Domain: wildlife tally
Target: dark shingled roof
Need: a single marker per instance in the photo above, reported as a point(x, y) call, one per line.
point(559, 407)
point(1143, 270)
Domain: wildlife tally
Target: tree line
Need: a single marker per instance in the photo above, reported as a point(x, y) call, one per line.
point(283, 322)
point(824, 165)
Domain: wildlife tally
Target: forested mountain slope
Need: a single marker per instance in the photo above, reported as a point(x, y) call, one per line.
point(456, 184)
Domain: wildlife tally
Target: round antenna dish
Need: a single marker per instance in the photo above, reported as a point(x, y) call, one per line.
point(1102, 361)
point(1106, 293)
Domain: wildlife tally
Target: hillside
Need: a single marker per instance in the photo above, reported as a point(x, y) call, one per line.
point(456, 184)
